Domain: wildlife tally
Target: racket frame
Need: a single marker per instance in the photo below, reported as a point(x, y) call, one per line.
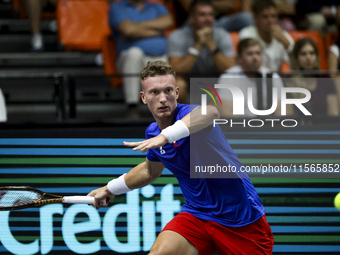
point(39, 202)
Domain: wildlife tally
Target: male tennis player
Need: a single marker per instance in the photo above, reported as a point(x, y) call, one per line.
point(224, 215)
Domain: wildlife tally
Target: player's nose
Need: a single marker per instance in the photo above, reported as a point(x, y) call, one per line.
point(162, 97)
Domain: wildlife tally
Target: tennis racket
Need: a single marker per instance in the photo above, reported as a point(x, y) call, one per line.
point(19, 197)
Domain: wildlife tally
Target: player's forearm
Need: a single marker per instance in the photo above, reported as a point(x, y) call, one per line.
point(139, 176)
point(195, 121)
point(226, 109)
point(191, 123)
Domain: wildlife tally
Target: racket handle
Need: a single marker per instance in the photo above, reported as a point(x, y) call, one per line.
point(78, 200)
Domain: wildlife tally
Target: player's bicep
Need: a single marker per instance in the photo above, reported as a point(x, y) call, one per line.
point(154, 168)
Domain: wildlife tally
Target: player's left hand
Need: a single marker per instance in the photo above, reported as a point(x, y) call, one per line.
point(102, 196)
point(148, 144)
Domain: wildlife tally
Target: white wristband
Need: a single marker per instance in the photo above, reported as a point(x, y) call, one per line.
point(193, 51)
point(118, 186)
point(176, 131)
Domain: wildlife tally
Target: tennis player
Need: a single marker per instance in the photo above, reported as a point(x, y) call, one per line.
point(219, 214)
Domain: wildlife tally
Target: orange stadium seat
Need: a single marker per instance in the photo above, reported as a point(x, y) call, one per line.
point(82, 24)
point(235, 39)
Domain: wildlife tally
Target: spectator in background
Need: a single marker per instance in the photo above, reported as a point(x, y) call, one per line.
point(138, 28)
point(199, 49)
point(228, 14)
point(246, 74)
point(34, 9)
point(275, 42)
point(228, 19)
point(324, 99)
point(318, 14)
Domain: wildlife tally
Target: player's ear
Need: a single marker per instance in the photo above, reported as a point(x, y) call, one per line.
point(142, 96)
point(177, 92)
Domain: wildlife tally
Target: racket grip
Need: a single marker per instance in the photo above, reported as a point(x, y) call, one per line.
point(78, 200)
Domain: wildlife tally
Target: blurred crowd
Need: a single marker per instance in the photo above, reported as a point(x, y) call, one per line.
point(202, 46)
point(244, 39)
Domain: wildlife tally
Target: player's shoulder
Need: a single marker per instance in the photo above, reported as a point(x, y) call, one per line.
point(183, 109)
point(152, 130)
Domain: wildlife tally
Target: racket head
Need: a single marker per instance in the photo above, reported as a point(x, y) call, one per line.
point(18, 197)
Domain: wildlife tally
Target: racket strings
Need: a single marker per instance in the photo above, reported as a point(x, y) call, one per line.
point(9, 198)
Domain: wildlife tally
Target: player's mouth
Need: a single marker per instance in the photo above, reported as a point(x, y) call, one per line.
point(163, 108)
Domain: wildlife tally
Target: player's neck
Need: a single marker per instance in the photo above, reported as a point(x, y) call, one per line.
point(164, 122)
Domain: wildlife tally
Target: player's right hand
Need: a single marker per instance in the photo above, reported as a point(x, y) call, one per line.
point(148, 144)
point(102, 197)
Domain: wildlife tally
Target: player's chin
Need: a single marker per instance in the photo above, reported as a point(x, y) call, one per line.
point(163, 114)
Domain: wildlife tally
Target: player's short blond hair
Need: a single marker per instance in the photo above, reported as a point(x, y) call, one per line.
point(156, 68)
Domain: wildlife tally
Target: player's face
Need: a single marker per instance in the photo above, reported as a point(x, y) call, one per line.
point(307, 57)
point(160, 93)
point(202, 16)
point(251, 59)
point(266, 19)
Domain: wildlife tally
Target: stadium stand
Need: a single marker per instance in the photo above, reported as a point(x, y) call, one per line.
point(33, 99)
point(19, 7)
